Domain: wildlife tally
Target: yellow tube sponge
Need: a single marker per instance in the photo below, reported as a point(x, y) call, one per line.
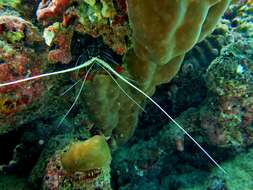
point(91, 154)
point(165, 29)
point(101, 98)
point(214, 14)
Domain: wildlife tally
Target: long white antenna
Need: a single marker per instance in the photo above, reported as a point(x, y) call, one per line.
point(85, 64)
point(122, 89)
point(156, 104)
point(77, 96)
point(72, 86)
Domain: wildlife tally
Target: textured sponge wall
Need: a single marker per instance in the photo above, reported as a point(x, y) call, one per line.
point(93, 153)
point(165, 29)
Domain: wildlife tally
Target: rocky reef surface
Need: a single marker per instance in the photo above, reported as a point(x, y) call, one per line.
point(199, 70)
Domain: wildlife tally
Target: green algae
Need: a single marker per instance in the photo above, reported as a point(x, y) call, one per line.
point(11, 3)
point(7, 48)
point(14, 37)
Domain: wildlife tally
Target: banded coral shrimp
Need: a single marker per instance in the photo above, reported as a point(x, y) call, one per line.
point(93, 48)
point(96, 59)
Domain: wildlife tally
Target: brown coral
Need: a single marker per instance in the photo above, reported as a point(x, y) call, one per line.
point(52, 9)
point(59, 38)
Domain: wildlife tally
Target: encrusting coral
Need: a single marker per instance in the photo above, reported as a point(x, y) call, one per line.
point(18, 61)
point(101, 18)
point(51, 9)
point(59, 37)
point(225, 115)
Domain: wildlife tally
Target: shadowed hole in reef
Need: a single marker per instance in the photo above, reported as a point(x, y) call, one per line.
point(151, 122)
point(84, 47)
point(8, 143)
point(25, 143)
point(175, 97)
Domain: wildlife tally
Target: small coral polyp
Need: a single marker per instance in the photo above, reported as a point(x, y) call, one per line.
point(18, 62)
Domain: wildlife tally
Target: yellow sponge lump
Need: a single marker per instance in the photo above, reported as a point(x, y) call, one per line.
point(91, 154)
